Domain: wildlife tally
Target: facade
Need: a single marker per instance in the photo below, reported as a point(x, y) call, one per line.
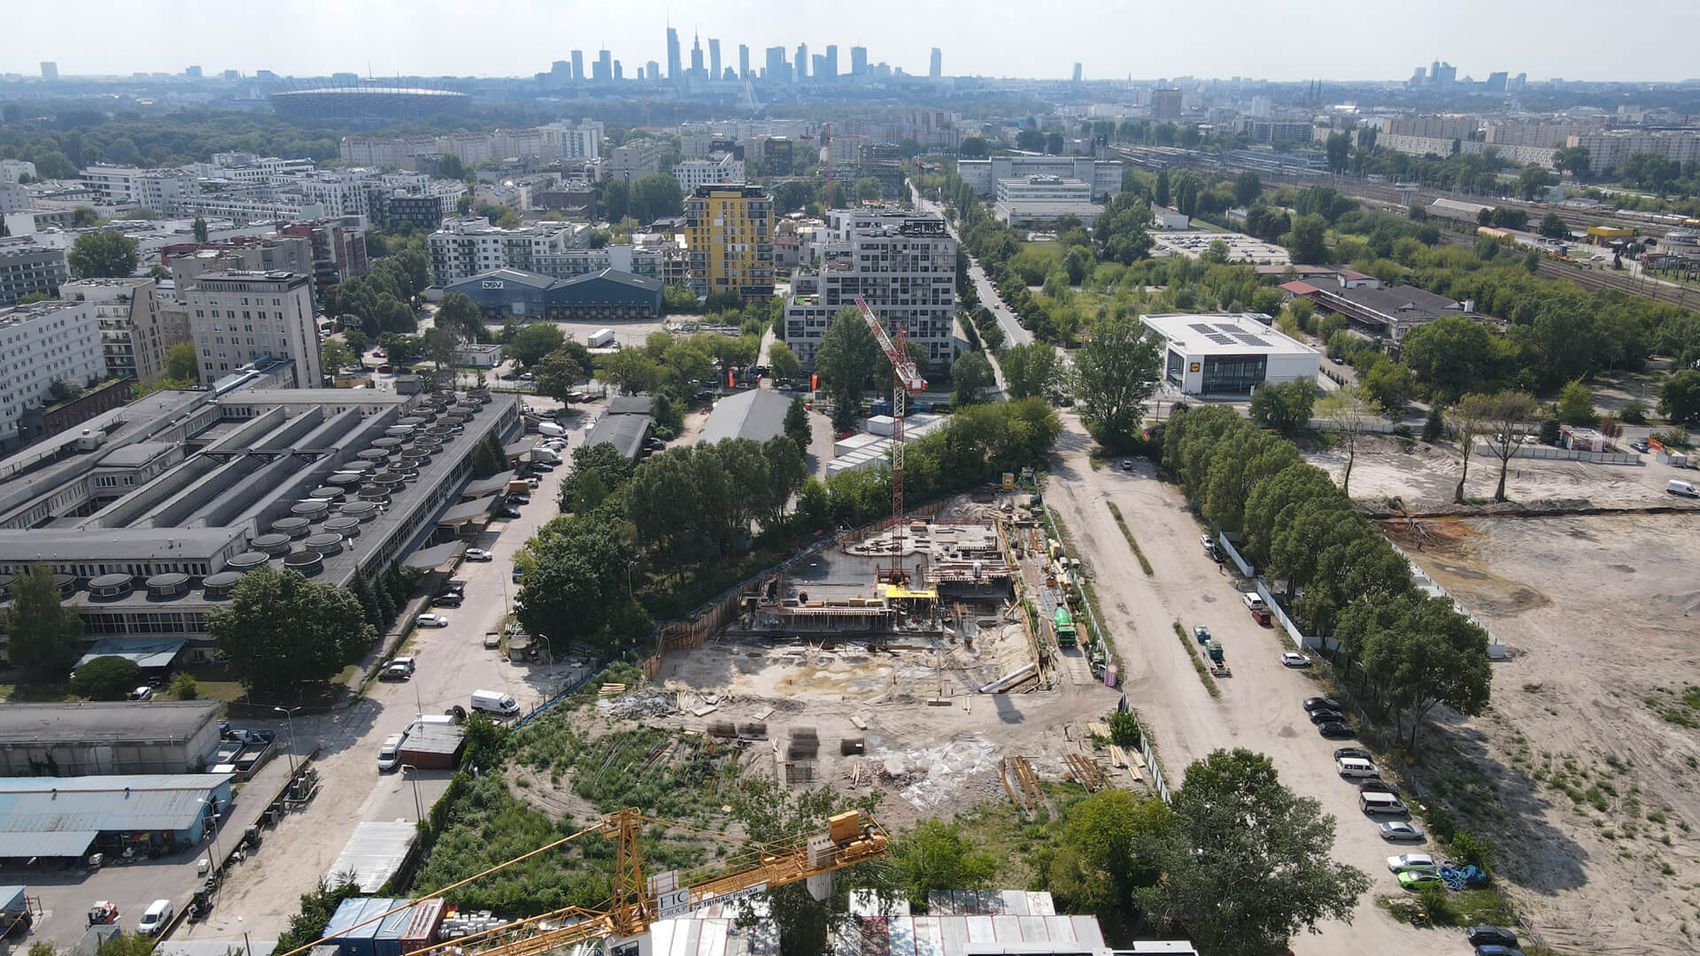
point(1388, 313)
point(132, 336)
point(1228, 354)
point(902, 264)
point(729, 234)
point(636, 159)
point(339, 251)
point(65, 818)
point(1038, 198)
point(41, 344)
point(157, 189)
point(692, 173)
point(469, 246)
point(1166, 104)
point(91, 738)
point(422, 205)
point(1609, 149)
point(241, 318)
point(27, 268)
point(984, 174)
point(604, 295)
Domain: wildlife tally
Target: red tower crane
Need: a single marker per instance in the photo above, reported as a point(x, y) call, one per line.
point(905, 380)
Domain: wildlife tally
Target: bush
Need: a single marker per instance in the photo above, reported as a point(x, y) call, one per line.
point(1673, 437)
point(1550, 431)
point(1471, 850)
point(1124, 729)
point(1633, 413)
point(106, 678)
point(184, 686)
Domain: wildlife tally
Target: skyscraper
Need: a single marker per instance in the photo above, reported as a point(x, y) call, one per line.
point(858, 60)
point(696, 57)
point(674, 67)
point(1077, 73)
point(831, 63)
point(49, 70)
point(578, 65)
point(777, 68)
point(714, 58)
point(800, 68)
point(603, 69)
point(935, 65)
point(743, 61)
point(654, 71)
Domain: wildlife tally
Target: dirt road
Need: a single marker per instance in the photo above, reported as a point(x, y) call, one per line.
point(1260, 704)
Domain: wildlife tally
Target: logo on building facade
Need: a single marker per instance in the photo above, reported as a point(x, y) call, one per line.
point(491, 284)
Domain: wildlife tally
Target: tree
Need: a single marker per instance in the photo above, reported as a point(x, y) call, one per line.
point(1160, 193)
point(1339, 148)
point(449, 166)
point(103, 255)
point(1503, 416)
point(1389, 385)
point(44, 638)
point(184, 686)
point(1285, 407)
point(797, 423)
point(1031, 370)
point(939, 856)
point(1531, 182)
point(846, 357)
point(972, 375)
point(1308, 240)
point(530, 344)
point(1106, 851)
point(558, 375)
point(1553, 227)
point(335, 356)
point(782, 362)
point(280, 631)
point(1246, 862)
point(868, 189)
point(106, 678)
point(973, 147)
point(1114, 373)
point(1247, 187)
point(1679, 398)
point(457, 313)
point(1419, 652)
point(199, 227)
point(1450, 356)
point(1468, 420)
point(577, 579)
point(655, 197)
point(1576, 404)
point(1344, 410)
point(402, 349)
point(181, 365)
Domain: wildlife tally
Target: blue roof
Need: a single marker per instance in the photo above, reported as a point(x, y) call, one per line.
point(115, 803)
point(148, 655)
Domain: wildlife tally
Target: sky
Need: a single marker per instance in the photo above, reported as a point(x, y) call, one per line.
point(1651, 40)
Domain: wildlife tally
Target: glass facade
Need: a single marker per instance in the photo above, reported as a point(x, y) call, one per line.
point(1233, 374)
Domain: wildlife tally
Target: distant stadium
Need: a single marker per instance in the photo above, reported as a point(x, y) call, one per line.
point(366, 103)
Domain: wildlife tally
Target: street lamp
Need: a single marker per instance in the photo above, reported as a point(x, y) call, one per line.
point(212, 830)
point(412, 773)
point(289, 717)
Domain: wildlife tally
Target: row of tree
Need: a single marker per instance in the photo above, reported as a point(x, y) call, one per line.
point(1336, 566)
point(381, 301)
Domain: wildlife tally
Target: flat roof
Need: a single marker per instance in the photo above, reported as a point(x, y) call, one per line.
point(67, 806)
point(99, 722)
point(374, 853)
point(1241, 333)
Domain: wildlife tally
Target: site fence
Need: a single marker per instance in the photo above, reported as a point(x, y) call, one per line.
point(1545, 453)
point(1159, 783)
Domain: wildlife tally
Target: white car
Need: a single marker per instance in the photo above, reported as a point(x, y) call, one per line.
point(1292, 659)
point(555, 444)
point(1409, 861)
point(479, 554)
point(142, 693)
point(431, 620)
point(1401, 830)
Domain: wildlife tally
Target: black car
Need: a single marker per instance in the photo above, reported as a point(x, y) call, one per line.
point(446, 600)
point(1357, 752)
point(1377, 785)
point(1490, 936)
point(1327, 717)
point(1321, 703)
point(1336, 730)
point(507, 513)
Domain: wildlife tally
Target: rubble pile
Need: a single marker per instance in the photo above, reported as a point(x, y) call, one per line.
point(651, 702)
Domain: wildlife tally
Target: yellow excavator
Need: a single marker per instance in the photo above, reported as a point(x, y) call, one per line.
point(850, 838)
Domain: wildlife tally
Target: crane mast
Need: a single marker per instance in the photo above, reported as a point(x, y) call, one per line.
point(905, 380)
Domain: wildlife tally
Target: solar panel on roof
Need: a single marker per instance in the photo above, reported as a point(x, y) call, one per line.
point(1220, 339)
point(1200, 328)
point(1252, 340)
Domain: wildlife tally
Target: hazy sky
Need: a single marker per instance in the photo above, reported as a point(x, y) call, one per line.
point(1271, 39)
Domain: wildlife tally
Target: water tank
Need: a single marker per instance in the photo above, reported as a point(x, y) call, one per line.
point(216, 587)
point(295, 526)
point(326, 543)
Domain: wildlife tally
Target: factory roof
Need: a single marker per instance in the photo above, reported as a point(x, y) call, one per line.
point(758, 414)
point(374, 854)
point(105, 723)
point(61, 816)
point(148, 655)
point(1242, 333)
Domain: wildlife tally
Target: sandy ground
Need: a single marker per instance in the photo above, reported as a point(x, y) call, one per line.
point(1600, 613)
point(1426, 476)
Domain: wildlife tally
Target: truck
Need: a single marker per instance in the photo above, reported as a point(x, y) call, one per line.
point(600, 339)
point(495, 702)
point(1063, 624)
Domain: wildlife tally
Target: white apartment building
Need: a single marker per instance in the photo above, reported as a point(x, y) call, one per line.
point(41, 344)
point(13, 197)
point(903, 264)
point(132, 338)
point(692, 173)
point(1609, 150)
point(157, 189)
point(11, 170)
point(636, 159)
point(237, 318)
point(468, 246)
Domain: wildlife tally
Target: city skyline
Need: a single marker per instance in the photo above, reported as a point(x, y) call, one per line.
point(419, 39)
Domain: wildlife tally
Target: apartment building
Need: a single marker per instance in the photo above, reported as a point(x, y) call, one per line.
point(1609, 150)
point(40, 344)
point(636, 159)
point(1036, 199)
point(339, 251)
point(157, 189)
point(238, 318)
point(902, 264)
point(729, 232)
point(469, 245)
point(26, 268)
point(133, 334)
point(720, 168)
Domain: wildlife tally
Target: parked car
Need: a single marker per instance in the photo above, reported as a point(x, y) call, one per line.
point(446, 600)
point(479, 554)
point(431, 620)
point(141, 693)
point(1336, 730)
point(1490, 936)
point(1378, 785)
point(406, 662)
point(519, 499)
point(1327, 717)
point(1201, 633)
point(1409, 861)
point(1295, 659)
point(1420, 879)
point(1401, 830)
point(509, 513)
point(389, 753)
point(394, 672)
point(157, 917)
point(1314, 704)
point(1358, 752)
point(518, 574)
point(1355, 767)
point(1207, 542)
point(1127, 464)
point(1253, 600)
point(1639, 446)
point(1495, 950)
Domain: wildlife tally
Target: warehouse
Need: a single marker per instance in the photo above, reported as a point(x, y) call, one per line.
point(67, 818)
point(88, 739)
point(1228, 354)
point(758, 414)
point(625, 424)
point(605, 295)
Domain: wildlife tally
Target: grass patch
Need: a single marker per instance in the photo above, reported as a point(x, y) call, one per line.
point(1144, 563)
point(37, 693)
point(1197, 661)
point(215, 682)
point(1677, 707)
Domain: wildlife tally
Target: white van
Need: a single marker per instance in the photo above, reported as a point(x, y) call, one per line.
point(1677, 486)
point(155, 919)
point(550, 429)
point(1374, 803)
point(1355, 767)
point(495, 702)
point(389, 754)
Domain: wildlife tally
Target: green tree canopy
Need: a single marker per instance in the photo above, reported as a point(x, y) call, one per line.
point(1679, 398)
point(655, 197)
point(106, 678)
point(846, 357)
point(558, 375)
point(782, 362)
point(457, 313)
point(43, 636)
point(1031, 370)
point(797, 423)
point(938, 856)
point(1114, 373)
point(530, 344)
point(1285, 407)
point(972, 376)
point(280, 631)
point(102, 255)
point(181, 365)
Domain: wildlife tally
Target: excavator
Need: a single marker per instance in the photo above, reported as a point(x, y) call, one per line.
point(850, 838)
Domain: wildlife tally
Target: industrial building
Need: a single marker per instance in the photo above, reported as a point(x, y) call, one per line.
point(92, 739)
point(757, 414)
point(1375, 310)
point(625, 423)
point(67, 818)
point(150, 514)
point(1228, 354)
point(606, 294)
